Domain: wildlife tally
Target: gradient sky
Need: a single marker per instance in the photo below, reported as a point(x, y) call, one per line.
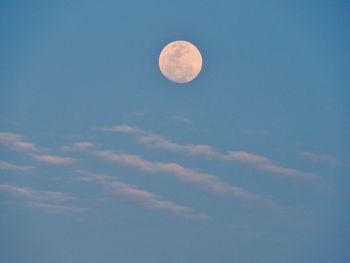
point(102, 159)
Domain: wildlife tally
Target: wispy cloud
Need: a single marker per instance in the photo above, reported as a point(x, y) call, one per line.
point(14, 167)
point(56, 208)
point(265, 164)
point(17, 142)
point(207, 182)
point(54, 159)
point(179, 118)
point(141, 197)
point(47, 201)
point(157, 141)
point(257, 161)
point(79, 146)
point(32, 195)
point(320, 158)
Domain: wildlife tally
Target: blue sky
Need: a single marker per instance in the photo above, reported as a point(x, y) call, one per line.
point(102, 159)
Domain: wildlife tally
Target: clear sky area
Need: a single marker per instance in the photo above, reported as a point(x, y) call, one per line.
point(103, 159)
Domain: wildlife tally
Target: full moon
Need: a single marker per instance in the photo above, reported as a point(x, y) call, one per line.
point(180, 61)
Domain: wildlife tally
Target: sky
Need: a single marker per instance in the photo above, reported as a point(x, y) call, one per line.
point(102, 159)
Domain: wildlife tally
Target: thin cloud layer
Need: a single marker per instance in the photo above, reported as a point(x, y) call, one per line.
point(48, 201)
point(30, 194)
point(157, 141)
point(205, 181)
point(320, 158)
point(179, 118)
point(250, 159)
point(15, 141)
point(266, 164)
point(78, 146)
point(14, 167)
point(54, 159)
point(144, 198)
point(56, 208)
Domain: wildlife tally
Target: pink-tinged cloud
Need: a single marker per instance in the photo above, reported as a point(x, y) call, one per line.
point(79, 146)
point(54, 159)
point(14, 167)
point(141, 197)
point(15, 141)
point(265, 164)
point(32, 195)
point(161, 142)
point(47, 201)
point(320, 158)
point(123, 128)
point(257, 161)
point(248, 158)
point(206, 182)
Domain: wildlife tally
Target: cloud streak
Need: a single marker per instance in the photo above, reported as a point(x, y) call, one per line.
point(15, 141)
point(320, 158)
point(257, 161)
point(206, 182)
point(141, 197)
point(54, 159)
point(157, 141)
point(179, 118)
point(78, 146)
point(48, 201)
point(28, 193)
point(14, 167)
point(267, 165)
point(56, 208)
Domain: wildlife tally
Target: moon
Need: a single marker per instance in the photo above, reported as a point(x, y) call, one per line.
point(180, 61)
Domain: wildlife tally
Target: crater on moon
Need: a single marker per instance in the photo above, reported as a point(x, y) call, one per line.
point(180, 61)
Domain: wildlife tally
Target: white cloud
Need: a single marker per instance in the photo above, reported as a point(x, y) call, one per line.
point(141, 197)
point(79, 146)
point(259, 162)
point(206, 182)
point(14, 167)
point(16, 141)
point(157, 141)
point(28, 193)
point(48, 201)
point(265, 164)
point(54, 159)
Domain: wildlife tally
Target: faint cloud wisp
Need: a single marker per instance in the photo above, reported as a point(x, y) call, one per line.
point(206, 182)
point(14, 167)
point(54, 159)
point(254, 160)
point(16, 141)
point(141, 197)
point(320, 158)
point(51, 202)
